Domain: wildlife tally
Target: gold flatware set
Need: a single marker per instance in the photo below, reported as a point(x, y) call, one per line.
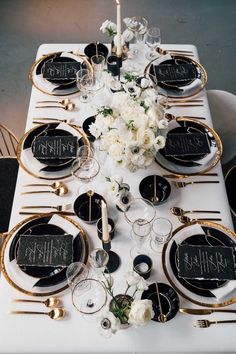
point(57, 313)
point(58, 188)
point(180, 184)
point(65, 209)
point(206, 323)
point(64, 104)
point(52, 120)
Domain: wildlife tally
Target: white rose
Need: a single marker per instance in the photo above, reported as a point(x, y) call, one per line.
point(132, 278)
point(116, 149)
point(146, 138)
point(144, 82)
point(159, 142)
point(141, 312)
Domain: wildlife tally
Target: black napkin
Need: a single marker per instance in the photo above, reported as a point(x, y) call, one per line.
point(55, 147)
point(60, 70)
point(181, 144)
point(174, 72)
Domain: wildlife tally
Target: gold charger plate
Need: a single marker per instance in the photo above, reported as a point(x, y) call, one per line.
point(41, 84)
point(180, 234)
point(198, 167)
point(29, 168)
point(182, 91)
point(57, 288)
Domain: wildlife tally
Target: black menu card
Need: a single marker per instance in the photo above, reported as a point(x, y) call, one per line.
point(60, 70)
point(55, 147)
point(45, 250)
point(181, 144)
point(206, 262)
point(174, 72)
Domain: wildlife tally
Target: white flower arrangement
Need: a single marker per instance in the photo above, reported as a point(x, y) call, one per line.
point(131, 312)
point(108, 27)
point(132, 129)
point(120, 191)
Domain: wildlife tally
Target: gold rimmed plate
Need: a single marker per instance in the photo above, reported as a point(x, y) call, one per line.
point(56, 88)
point(191, 166)
point(37, 169)
point(32, 285)
point(180, 89)
point(203, 292)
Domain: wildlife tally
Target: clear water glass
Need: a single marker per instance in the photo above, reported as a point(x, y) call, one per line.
point(161, 233)
point(76, 272)
point(85, 82)
point(98, 260)
point(140, 233)
point(153, 40)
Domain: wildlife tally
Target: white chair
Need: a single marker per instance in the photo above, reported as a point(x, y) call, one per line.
point(223, 111)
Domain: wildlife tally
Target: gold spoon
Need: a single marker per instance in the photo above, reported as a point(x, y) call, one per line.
point(64, 102)
point(162, 317)
point(90, 193)
point(171, 117)
point(59, 191)
point(155, 199)
point(50, 302)
point(186, 219)
point(180, 212)
point(54, 185)
point(67, 107)
point(182, 53)
point(55, 314)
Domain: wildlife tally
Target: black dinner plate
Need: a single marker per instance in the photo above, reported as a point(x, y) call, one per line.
point(86, 125)
point(82, 207)
point(40, 229)
point(168, 298)
point(163, 188)
point(60, 276)
point(56, 161)
point(190, 160)
point(200, 287)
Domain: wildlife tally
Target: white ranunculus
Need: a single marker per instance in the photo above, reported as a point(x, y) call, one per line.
point(108, 27)
point(109, 324)
point(141, 312)
point(127, 35)
point(116, 149)
point(159, 142)
point(163, 123)
point(132, 89)
point(113, 187)
point(144, 82)
point(132, 278)
point(142, 284)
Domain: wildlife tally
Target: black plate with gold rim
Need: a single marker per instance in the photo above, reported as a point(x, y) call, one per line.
point(45, 286)
point(168, 297)
point(59, 87)
point(86, 125)
point(199, 291)
point(181, 89)
point(52, 171)
point(88, 208)
point(191, 166)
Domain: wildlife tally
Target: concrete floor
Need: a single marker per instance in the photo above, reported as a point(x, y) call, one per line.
point(25, 24)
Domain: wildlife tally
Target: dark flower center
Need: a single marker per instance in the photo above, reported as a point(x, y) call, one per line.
point(106, 323)
point(125, 200)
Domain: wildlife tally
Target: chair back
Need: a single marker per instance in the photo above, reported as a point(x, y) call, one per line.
point(8, 142)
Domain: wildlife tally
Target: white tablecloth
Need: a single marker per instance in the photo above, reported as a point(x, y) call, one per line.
point(36, 334)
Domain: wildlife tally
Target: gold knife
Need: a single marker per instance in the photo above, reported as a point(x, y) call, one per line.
point(186, 176)
point(203, 311)
point(49, 212)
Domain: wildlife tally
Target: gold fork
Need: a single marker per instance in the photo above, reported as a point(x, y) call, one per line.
point(168, 106)
point(184, 184)
point(206, 323)
point(57, 207)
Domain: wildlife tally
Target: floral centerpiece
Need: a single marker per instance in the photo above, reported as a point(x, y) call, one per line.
point(124, 309)
point(132, 129)
point(120, 191)
point(110, 28)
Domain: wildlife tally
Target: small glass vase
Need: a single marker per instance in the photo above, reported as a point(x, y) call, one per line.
point(125, 49)
point(121, 303)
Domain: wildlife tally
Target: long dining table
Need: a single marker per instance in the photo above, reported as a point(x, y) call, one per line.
point(75, 334)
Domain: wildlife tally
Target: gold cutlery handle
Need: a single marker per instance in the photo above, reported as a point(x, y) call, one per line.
point(49, 102)
point(38, 207)
point(26, 300)
point(48, 119)
point(68, 213)
point(186, 176)
point(203, 211)
point(54, 106)
point(199, 182)
point(34, 192)
point(37, 184)
point(227, 321)
point(214, 219)
point(28, 313)
point(192, 117)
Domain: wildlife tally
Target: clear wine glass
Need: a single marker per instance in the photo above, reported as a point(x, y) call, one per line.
point(138, 25)
point(76, 272)
point(98, 63)
point(140, 209)
point(85, 83)
point(153, 40)
point(140, 234)
point(85, 168)
point(89, 296)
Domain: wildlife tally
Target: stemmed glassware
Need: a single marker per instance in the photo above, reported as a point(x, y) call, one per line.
point(160, 234)
point(140, 209)
point(140, 234)
point(85, 83)
point(76, 272)
point(98, 62)
point(138, 25)
point(98, 260)
point(153, 40)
